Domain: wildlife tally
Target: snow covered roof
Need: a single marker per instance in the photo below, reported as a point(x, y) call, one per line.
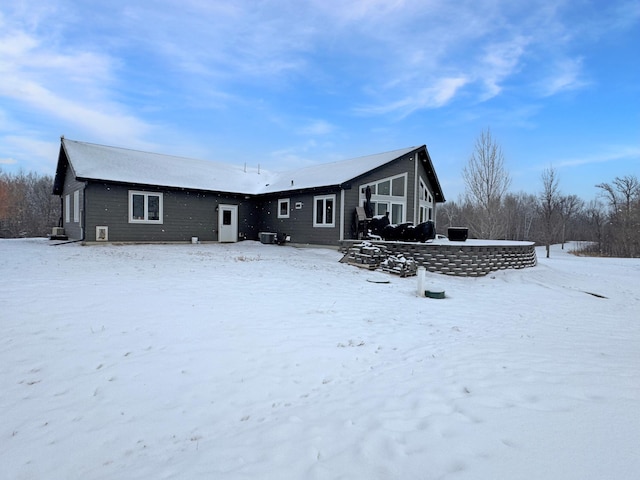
point(99, 162)
point(334, 173)
point(113, 164)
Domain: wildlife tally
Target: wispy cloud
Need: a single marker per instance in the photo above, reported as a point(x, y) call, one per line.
point(317, 128)
point(436, 95)
point(417, 55)
point(8, 161)
point(499, 62)
point(41, 153)
point(75, 88)
point(565, 75)
point(613, 153)
point(240, 41)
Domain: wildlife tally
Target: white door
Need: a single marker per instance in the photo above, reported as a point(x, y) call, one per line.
point(227, 223)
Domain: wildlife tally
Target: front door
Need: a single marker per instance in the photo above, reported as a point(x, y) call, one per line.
point(227, 223)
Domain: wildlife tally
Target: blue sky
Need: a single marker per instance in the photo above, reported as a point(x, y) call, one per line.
point(290, 83)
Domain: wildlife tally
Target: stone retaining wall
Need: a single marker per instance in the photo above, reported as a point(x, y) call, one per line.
point(473, 258)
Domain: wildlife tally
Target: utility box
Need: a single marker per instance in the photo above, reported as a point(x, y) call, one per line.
point(57, 233)
point(267, 237)
point(102, 233)
point(458, 234)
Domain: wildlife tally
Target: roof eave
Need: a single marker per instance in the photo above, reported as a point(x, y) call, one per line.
point(438, 194)
point(163, 186)
point(61, 170)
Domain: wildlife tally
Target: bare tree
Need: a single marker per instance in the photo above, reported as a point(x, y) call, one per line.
point(622, 193)
point(595, 216)
point(549, 203)
point(519, 213)
point(568, 207)
point(27, 206)
point(4, 202)
point(487, 181)
point(447, 215)
point(623, 196)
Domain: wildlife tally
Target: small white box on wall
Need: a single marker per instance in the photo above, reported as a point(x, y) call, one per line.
point(102, 233)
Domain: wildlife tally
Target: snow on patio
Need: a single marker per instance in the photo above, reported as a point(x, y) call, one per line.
point(248, 361)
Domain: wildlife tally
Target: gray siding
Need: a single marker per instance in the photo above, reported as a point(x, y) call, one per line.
point(400, 166)
point(186, 214)
point(73, 230)
point(189, 214)
point(299, 225)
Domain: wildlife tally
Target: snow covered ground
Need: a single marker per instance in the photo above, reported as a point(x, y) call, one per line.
point(250, 361)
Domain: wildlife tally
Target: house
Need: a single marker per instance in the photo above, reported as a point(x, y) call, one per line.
point(121, 195)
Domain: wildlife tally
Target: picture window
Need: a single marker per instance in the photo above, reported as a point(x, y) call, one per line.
point(388, 195)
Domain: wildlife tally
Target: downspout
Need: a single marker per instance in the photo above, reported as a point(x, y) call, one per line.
point(60, 221)
point(416, 189)
point(342, 218)
point(83, 220)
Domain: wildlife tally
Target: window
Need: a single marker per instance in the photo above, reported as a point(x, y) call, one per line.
point(397, 189)
point(76, 206)
point(426, 203)
point(323, 211)
point(283, 208)
point(426, 213)
point(145, 207)
point(383, 188)
point(397, 213)
point(387, 195)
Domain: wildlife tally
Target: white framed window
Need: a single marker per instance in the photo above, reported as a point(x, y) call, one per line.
point(283, 208)
point(425, 203)
point(324, 211)
point(388, 195)
point(426, 213)
point(397, 212)
point(67, 208)
point(76, 206)
point(145, 207)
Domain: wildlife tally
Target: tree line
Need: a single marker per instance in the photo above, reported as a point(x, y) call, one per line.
point(608, 226)
point(27, 206)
